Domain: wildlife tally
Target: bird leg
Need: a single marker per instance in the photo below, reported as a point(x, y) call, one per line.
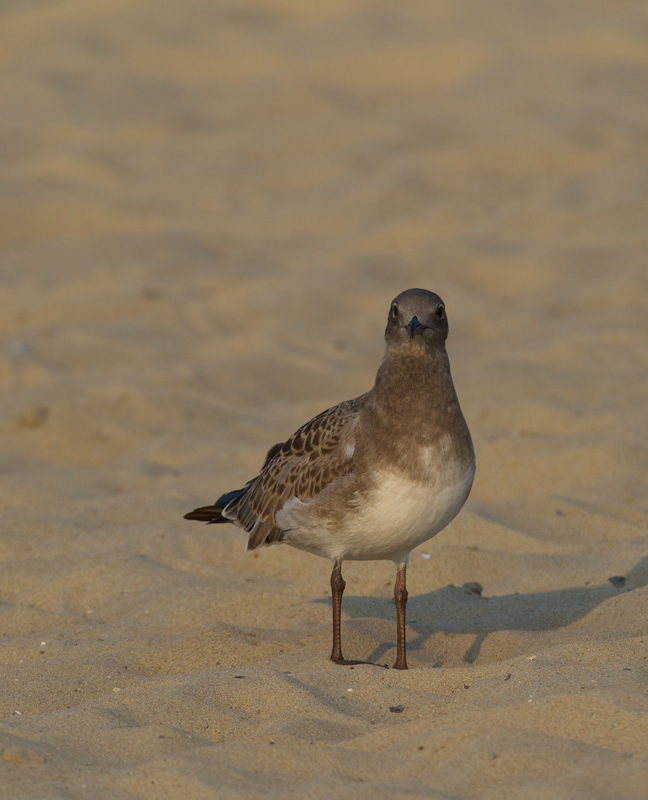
point(400, 595)
point(337, 590)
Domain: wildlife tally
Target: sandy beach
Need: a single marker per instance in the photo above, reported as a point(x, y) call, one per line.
point(205, 211)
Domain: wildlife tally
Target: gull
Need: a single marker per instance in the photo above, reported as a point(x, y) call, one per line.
point(373, 477)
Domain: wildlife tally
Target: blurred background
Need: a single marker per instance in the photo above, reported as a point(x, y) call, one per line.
point(206, 208)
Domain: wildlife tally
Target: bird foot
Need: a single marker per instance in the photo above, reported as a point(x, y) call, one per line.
point(343, 662)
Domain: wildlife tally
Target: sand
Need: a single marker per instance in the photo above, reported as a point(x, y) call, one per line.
point(206, 208)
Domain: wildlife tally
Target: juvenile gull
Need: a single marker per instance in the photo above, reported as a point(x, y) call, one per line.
point(374, 477)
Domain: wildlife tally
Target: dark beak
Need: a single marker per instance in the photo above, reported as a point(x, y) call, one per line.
point(415, 328)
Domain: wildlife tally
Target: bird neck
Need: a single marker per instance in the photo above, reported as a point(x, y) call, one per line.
point(415, 388)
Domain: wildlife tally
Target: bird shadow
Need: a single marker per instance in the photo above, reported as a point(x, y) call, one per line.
point(459, 610)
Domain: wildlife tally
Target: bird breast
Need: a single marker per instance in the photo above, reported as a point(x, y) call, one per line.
point(387, 520)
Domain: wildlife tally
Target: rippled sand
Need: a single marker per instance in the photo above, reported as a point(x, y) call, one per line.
point(205, 210)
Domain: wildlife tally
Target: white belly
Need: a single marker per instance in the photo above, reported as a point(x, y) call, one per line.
point(397, 516)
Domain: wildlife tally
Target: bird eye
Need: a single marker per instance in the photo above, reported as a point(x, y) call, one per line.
point(440, 312)
point(394, 311)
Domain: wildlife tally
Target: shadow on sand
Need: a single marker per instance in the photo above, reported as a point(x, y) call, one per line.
point(454, 610)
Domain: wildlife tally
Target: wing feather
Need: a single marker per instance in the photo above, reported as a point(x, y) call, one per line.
point(314, 456)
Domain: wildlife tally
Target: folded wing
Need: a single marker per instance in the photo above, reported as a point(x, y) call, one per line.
point(316, 455)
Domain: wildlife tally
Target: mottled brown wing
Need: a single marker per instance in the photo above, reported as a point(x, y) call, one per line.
point(313, 457)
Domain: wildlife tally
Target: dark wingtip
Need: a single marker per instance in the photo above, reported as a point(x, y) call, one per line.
point(206, 514)
point(272, 452)
point(214, 513)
